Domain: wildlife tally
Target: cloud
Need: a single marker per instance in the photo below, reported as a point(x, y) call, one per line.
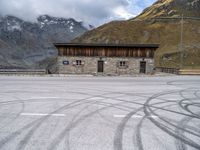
point(95, 12)
point(137, 6)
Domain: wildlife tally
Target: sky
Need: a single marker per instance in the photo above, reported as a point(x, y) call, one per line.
point(94, 12)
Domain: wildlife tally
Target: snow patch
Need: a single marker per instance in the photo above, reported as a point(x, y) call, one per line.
point(12, 27)
point(71, 28)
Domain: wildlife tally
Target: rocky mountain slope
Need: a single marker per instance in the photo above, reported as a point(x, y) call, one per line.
point(24, 44)
point(172, 8)
point(160, 23)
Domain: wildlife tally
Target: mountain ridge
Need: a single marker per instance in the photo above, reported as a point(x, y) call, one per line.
point(172, 8)
point(25, 44)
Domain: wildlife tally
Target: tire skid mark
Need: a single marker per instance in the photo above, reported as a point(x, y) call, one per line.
point(139, 126)
point(187, 109)
point(129, 106)
point(118, 137)
point(196, 94)
point(47, 99)
point(119, 132)
point(16, 133)
point(185, 130)
point(186, 125)
point(59, 138)
point(168, 122)
point(121, 127)
point(183, 124)
point(184, 106)
point(138, 135)
point(147, 107)
point(165, 128)
point(141, 104)
point(15, 118)
point(74, 123)
point(170, 132)
point(28, 136)
point(12, 136)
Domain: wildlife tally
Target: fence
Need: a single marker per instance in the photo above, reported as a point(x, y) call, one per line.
point(168, 70)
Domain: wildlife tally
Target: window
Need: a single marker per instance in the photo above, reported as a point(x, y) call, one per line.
point(78, 62)
point(122, 63)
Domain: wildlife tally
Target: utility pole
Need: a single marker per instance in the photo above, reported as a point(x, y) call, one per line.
point(181, 44)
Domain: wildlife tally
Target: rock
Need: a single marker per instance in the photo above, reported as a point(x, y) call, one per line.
point(172, 12)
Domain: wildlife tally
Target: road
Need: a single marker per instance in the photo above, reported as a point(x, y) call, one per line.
point(100, 113)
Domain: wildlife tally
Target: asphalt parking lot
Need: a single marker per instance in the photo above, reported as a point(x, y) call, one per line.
point(100, 113)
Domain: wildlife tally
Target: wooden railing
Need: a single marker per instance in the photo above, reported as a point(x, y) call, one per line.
point(168, 70)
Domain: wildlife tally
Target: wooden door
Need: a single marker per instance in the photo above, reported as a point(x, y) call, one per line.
point(100, 66)
point(143, 67)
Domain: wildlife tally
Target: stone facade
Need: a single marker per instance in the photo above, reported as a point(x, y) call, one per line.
point(111, 65)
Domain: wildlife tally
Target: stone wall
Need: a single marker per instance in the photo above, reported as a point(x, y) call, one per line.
point(111, 65)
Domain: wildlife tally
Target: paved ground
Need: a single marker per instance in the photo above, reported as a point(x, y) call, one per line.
point(100, 113)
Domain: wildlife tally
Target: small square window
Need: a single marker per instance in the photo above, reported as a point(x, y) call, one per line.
point(78, 62)
point(122, 63)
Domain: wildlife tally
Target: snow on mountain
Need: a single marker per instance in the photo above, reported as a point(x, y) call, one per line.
point(31, 42)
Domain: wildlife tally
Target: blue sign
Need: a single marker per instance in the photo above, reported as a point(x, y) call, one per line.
point(65, 62)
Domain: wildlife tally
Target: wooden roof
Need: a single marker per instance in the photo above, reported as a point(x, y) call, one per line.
point(106, 45)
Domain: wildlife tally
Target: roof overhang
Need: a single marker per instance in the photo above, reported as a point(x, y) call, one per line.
point(106, 45)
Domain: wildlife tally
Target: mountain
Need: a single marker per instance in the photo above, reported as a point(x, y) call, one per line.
point(25, 44)
point(159, 23)
point(172, 8)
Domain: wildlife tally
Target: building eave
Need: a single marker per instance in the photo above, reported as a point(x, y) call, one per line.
point(106, 45)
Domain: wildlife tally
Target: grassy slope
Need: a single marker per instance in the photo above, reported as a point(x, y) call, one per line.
point(171, 8)
point(152, 31)
point(166, 32)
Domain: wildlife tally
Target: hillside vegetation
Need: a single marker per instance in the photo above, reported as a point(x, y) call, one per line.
point(160, 23)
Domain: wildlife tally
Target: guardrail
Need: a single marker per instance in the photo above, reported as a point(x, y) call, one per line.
point(23, 71)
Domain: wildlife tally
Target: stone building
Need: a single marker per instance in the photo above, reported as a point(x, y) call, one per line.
point(105, 59)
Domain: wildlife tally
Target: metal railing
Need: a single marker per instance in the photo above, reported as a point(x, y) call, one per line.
point(22, 71)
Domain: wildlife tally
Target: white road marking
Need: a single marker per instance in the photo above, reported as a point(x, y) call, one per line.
point(43, 98)
point(40, 114)
point(134, 116)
